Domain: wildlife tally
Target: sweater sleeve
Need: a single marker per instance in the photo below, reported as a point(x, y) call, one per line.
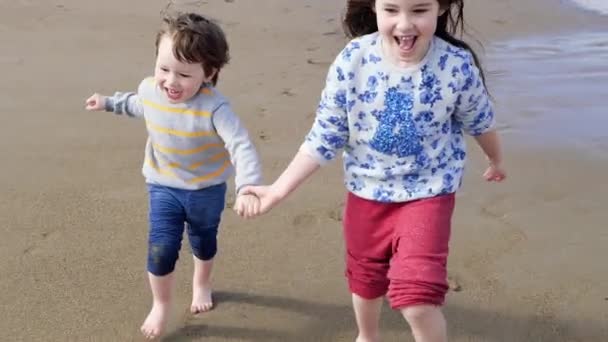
point(330, 132)
point(125, 103)
point(474, 109)
point(243, 154)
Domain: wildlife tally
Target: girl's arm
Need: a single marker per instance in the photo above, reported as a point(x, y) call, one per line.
point(328, 135)
point(490, 144)
point(476, 114)
point(301, 168)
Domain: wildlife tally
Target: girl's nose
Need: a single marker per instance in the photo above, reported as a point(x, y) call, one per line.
point(404, 23)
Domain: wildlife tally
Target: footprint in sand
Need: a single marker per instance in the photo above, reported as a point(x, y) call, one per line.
point(335, 214)
point(287, 92)
point(315, 62)
point(507, 239)
point(230, 200)
point(330, 33)
point(263, 136)
point(33, 247)
point(454, 283)
point(304, 219)
point(261, 111)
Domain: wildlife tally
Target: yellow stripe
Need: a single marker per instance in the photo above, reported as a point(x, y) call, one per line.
point(213, 159)
point(175, 132)
point(176, 110)
point(211, 175)
point(162, 171)
point(185, 152)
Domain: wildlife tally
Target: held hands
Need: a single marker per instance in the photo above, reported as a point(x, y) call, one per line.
point(96, 102)
point(247, 205)
point(265, 196)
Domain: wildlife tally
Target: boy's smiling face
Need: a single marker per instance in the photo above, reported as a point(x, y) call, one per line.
point(179, 81)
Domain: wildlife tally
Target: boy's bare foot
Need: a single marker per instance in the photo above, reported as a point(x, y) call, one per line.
point(154, 325)
point(201, 299)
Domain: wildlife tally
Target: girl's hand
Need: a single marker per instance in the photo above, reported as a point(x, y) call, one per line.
point(247, 205)
point(494, 173)
point(96, 102)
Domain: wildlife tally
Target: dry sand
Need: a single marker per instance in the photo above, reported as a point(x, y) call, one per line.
point(528, 255)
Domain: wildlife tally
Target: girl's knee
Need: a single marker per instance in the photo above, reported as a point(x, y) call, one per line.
point(420, 313)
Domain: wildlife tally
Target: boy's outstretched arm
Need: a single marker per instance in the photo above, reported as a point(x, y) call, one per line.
point(119, 103)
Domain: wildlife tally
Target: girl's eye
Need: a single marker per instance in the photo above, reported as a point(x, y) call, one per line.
point(390, 10)
point(420, 11)
point(164, 69)
point(184, 75)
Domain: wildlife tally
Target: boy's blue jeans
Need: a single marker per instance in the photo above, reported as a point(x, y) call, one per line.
point(173, 209)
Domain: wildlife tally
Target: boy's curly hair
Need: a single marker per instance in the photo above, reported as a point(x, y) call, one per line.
point(196, 39)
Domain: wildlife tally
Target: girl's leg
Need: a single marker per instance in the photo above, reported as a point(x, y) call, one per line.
point(418, 274)
point(427, 323)
point(367, 313)
point(204, 210)
point(201, 286)
point(368, 236)
point(162, 288)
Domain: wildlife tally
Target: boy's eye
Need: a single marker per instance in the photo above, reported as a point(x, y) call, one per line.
point(164, 69)
point(184, 75)
point(420, 11)
point(390, 10)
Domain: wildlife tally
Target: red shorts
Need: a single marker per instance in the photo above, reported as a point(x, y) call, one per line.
point(399, 249)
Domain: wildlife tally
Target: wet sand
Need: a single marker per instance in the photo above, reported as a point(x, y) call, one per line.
point(527, 255)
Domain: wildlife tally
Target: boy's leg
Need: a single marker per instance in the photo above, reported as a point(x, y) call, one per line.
point(201, 286)
point(166, 228)
point(368, 236)
point(162, 288)
point(418, 274)
point(204, 210)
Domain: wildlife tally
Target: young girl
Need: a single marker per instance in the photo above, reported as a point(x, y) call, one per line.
point(398, 99)
point(194, 141)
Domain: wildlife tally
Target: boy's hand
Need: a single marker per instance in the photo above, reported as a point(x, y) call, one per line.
point(494, 173)
point(96, 102)
point(247, 205)
point(267, 195)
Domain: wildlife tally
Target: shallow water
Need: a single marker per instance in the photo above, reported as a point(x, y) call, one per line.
point(600, 6)
point(552, 90)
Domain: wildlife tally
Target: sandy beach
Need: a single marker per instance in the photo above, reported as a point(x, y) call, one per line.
point(528, 256)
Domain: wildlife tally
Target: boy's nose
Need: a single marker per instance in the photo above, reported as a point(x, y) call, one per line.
point(172, 80)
